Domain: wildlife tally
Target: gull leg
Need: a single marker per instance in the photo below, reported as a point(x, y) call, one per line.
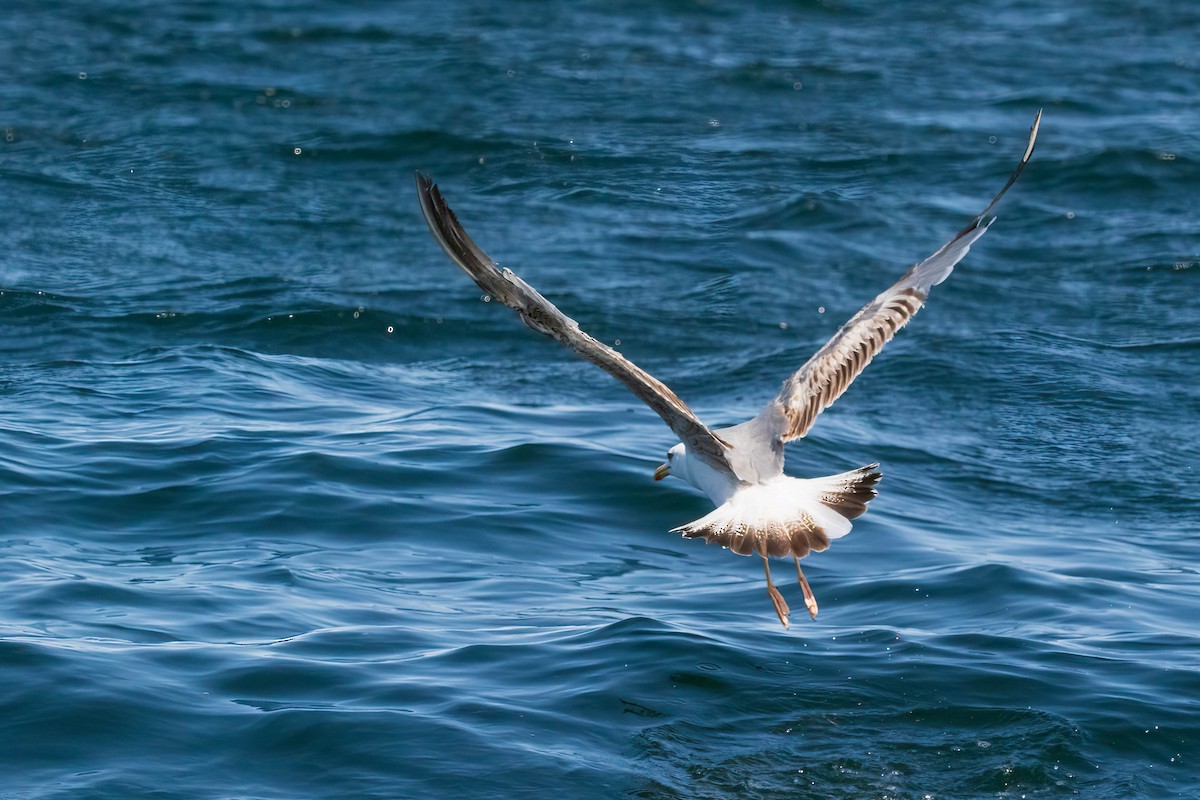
point(809, 599)
point(781, 606)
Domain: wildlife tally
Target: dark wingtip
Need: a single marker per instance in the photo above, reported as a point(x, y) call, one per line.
point(449, 233)
point(426, 195)
point(982, 220)
point(1033, 132)
point(425, 184)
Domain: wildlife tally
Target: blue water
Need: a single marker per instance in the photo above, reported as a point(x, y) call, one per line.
point(287, 511)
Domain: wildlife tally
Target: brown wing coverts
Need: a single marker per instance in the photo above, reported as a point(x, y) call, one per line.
point(834, 367)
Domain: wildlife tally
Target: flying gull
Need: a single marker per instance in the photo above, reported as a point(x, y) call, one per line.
point(759, 509)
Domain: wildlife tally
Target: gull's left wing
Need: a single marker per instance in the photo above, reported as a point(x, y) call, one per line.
point(540, 314)
point(825, 376)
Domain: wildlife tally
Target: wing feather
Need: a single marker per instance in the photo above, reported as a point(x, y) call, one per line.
point(544, 317)
point(825, 376)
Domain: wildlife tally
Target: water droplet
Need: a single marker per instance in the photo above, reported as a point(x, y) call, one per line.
point(512, 73)
point(820, 309)
point(487, 298)
point(1070, 215)
point(783, 326)
point(617, 343)
point(285, 103)
point(714, 123)
point(1166, 156)
point(391, 329)
point(296, 151)
point(482, 159)
point(83, 76)
point(797, 86)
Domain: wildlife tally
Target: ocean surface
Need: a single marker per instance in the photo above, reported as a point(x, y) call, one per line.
point(287, 510)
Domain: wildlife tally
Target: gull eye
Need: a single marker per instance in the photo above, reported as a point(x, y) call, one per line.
point(670, 455)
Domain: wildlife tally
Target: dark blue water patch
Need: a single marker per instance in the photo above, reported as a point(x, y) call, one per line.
point(289, 508)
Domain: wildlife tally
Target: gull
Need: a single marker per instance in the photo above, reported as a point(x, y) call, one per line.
point(759, 510)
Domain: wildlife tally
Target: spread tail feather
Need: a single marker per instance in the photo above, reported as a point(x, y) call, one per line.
point(788, 516)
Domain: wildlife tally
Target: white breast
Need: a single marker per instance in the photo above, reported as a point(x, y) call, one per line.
point(719, 485)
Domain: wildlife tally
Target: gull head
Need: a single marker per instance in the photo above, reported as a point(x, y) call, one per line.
point(719, 485)
point(677, 464)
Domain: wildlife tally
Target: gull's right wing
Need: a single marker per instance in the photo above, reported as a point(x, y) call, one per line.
point(826, 375)
point(540, 314)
